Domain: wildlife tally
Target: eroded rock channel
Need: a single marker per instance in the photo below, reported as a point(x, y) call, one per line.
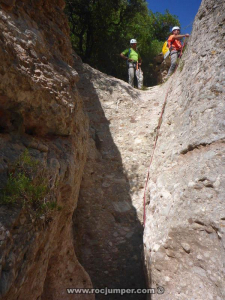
point(107, 226)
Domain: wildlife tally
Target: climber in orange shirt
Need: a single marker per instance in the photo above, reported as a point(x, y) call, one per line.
point(175, 46)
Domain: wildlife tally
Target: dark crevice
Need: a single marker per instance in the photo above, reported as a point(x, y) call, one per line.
point(30, 131)
point(209, 185)
point(193, 147)
point(199, 222)
point(203, 179)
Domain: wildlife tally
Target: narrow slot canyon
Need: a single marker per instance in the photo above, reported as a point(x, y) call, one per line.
point(108, 221)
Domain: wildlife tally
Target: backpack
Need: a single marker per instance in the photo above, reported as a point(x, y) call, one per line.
point(165, 50)
point(129, 52)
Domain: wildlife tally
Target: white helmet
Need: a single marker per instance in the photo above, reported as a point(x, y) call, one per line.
point(133, 41)
point(175, 28)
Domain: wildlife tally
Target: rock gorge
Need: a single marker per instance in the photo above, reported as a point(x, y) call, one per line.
point(95, 135)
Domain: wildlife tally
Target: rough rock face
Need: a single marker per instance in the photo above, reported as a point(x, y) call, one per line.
point(41, 111)
point(185, 230)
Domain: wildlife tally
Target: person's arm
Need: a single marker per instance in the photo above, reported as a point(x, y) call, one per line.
point(123, 56)
point(180, 36)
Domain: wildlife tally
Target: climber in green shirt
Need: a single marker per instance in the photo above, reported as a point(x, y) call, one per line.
point(134, 63)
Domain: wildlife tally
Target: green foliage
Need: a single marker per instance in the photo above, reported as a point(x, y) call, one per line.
point(28, 186)
point(101, 30)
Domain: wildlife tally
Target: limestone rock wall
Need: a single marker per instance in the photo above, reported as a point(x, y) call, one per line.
point(184, 235)
point(41, 110)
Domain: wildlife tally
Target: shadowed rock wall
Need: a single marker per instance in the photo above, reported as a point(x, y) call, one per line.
point(41, 111)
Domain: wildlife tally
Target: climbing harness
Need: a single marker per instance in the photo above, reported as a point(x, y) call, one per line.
point(156, 139)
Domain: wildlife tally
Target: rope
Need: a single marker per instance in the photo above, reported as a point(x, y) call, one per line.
point(156, 139)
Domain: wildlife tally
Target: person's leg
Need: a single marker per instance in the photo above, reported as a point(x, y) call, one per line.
point(131, 74)
point(174, 56)
point(139, 76)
